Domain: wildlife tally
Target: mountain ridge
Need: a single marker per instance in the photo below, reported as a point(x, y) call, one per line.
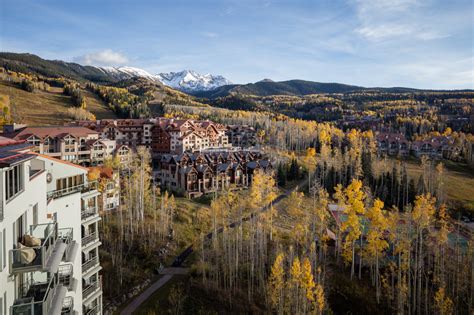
point(188, 81)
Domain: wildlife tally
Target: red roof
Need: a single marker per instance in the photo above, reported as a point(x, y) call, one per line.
point(53, 132)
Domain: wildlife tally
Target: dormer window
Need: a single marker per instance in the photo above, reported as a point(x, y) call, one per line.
point(34, 140)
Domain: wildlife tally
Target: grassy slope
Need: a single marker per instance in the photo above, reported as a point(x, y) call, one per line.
point(458, 182)
point(47, 108)
point(97, 107)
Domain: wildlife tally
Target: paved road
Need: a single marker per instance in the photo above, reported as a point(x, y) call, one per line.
point(180, 259)
point(132, 307)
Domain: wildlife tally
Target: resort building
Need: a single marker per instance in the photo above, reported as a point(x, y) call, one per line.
point(195, 174)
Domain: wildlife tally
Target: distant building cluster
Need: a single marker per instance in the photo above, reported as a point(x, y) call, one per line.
point(162, 135)
point(437, 147)
point(90, 143)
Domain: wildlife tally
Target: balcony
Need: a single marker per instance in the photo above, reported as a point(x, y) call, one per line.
point(89, 239)
point(66, 277)
point(91, 288)
point(65, 235)
point(68, 306)
point(38, 298)
point(82, 188)
point(44, 257)
point(91, 263)
point(88, 213)
point(92, 311)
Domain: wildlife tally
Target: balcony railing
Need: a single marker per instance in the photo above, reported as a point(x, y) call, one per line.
point(65, 235)
point(91, 288)
point(92, 311)
point(90, 264)
point(35, 258)
point(68, 306)
point(89, 212)
point(35, 297)
point(86, 240)
point(65, 274)
point(84, 187)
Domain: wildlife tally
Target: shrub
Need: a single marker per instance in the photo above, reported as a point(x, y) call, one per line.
point(77, 113)
point(27, 85)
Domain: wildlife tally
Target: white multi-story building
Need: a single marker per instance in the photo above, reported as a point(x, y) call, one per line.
point(75, 144)
point(48, 235)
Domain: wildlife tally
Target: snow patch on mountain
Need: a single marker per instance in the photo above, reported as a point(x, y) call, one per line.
point(191, 81)
point(122, 73)
point(186, 80)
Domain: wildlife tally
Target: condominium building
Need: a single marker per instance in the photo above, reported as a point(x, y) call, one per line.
point(48, 235)
point(195, 174)
point(75, 144)
point(161, 135)
point(241, 135)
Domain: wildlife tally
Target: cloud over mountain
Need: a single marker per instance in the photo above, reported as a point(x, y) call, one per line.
point(105, 57)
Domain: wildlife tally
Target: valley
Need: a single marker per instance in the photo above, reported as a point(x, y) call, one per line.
point(350, 179)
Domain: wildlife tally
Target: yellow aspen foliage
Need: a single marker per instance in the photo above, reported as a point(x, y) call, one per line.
point(443, 304)
point(352, 199)
point(93, 174)
point(295, 273)
point(376, 242)
point(307, 280)
point(443, 225)
point(276, 281)
point(320, 302)
point(423, 210)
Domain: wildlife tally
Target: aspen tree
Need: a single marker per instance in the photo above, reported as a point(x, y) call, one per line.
point(422, 217)
point(307, 284)
point(376, 243)
point(352, 199)
point(295, 284)
point(276, 283)
point(443, 304)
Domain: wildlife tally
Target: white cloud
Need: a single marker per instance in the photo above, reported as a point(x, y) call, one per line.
point(451, 74)
point(209, 34)
point(386, 19)
point(376, 32)
point(105, 57)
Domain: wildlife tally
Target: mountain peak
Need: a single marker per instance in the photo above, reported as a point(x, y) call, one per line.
point(192, 81)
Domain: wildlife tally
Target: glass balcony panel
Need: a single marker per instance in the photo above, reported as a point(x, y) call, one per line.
point(35, 296)
point(32, 258)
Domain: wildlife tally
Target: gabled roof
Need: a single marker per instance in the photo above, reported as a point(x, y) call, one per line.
point(60, 161)
point(53, 132)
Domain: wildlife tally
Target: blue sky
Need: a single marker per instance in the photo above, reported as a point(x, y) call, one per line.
point(415, 43)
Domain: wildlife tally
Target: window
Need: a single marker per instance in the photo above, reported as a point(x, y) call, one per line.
point(34, 141)
point(1, 251)
point(35, 214)
point(4, 250)
point(14, 181)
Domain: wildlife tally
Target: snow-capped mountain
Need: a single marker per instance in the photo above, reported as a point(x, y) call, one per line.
point(122, 73)
point(186, 80)
point(191, 81)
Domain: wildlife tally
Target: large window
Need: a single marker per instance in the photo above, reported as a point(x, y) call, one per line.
point(13, 181)
point(69, 182)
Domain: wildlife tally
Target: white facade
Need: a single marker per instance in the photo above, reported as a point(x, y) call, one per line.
point(54, 204)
